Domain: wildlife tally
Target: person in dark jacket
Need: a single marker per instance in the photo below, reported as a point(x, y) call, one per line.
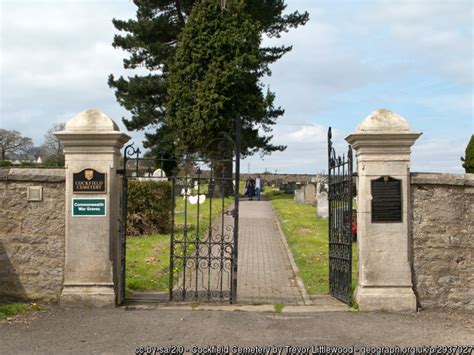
point(250, 188)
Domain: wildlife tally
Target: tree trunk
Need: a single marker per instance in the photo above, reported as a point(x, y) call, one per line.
point(223, 178)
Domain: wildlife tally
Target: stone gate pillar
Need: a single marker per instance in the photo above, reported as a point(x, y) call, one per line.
point(92, 143)
point(382, 144)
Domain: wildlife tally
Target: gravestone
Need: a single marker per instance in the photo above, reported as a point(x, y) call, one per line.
point(310, 194)
point(319, 188)
point(322, 205)
point(290, 187)
point(299, 196)
point(159, 175)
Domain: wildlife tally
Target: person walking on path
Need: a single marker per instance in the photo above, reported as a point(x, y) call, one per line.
point(250, 188)
point(258, 187)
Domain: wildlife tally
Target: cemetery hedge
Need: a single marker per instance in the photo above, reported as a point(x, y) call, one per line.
point(5, 163)
point(149, 207)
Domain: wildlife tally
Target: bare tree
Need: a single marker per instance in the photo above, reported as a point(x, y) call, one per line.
point(52, 148)
point(12, 143)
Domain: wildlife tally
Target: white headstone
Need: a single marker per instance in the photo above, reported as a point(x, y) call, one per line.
point(322, 205)
point(159, 175)
point(299, 196)
point(197, 198)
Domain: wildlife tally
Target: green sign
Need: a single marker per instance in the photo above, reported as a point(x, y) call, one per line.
point(88, 207)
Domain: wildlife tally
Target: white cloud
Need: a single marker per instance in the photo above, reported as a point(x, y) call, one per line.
point(308, 134)
point(437, 33)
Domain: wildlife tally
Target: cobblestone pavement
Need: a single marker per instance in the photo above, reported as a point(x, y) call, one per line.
point(265, 275)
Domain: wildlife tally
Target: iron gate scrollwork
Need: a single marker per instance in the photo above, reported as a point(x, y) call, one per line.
point(340, 222)
point(203, 220)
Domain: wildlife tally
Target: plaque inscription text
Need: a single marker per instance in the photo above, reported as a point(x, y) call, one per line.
point(386, 200)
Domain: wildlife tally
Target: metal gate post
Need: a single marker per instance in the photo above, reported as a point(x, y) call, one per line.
point(340, 223)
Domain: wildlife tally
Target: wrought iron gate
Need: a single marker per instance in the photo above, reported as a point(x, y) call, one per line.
point(204, 217)
point(340, 222)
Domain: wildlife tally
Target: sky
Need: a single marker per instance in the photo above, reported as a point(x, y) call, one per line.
point(413, 57)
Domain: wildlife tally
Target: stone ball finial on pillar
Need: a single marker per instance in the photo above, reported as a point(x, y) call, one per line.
point(383, 120)
point(382, 143)
point(91, 121)
point(92, 143)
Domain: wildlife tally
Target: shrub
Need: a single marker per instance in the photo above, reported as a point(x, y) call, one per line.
point(469, 158)
point(149, 207)
point(28, 164)
point(5, 163)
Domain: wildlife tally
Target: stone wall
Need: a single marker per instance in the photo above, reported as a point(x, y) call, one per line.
point(442, 232)
point(31, 234)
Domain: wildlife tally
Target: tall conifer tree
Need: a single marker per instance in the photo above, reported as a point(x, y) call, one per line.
point(151, 40)
point(214, 79)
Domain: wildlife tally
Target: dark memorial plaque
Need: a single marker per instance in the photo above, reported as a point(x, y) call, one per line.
point(88, 181)
point(386, 200)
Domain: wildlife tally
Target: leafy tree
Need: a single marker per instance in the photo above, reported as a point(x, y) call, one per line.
point(152, 38)
point(468, 159)
point(13, 144)
point(52, 148)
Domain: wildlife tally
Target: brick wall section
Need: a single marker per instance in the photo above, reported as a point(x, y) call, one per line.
point(442, 231)
point(31, 234)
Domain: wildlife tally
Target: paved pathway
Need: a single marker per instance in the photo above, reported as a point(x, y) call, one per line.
point(265, 273)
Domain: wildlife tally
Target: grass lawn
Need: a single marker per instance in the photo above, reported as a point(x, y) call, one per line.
point(148, 257)
point(12, 309)
point(307, 237)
